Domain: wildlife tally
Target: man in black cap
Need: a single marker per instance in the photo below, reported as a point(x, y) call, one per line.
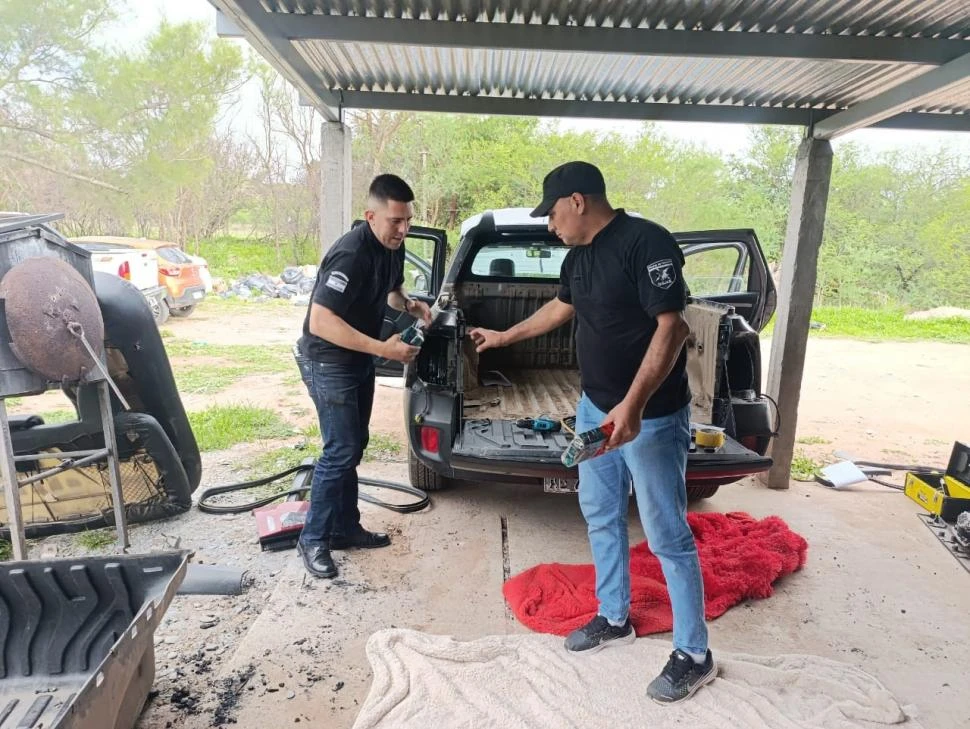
point(623, 281)
point(362, 274)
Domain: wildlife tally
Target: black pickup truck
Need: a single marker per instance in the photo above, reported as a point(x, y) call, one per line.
point(461, 407)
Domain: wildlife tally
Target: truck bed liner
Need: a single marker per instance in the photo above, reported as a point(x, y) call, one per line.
point(76, 638)
point(534, 392)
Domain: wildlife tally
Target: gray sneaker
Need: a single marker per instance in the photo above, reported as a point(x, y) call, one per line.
point(598, 634)
point(681, 678)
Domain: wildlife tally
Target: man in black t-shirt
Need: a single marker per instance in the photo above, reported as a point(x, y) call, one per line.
point(623, 282)
point(361, 274)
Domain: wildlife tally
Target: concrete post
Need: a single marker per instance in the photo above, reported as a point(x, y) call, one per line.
point(799, 268)
point(335, 190)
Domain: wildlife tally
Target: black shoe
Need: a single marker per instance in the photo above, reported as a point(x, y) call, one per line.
point(362, 539)
point(597, 634)
point(681, 678)
point(317, 560)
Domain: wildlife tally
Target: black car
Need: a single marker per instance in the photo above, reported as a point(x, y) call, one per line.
point(462, 407)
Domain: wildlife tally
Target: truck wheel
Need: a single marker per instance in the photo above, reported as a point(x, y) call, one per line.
point(697, 493)
point(183, 311)
point(160, 311)
point(423, 477)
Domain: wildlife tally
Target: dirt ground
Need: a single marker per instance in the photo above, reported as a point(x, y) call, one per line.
point(878, 591)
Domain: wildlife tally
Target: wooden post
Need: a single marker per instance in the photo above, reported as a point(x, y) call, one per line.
point(799, 268)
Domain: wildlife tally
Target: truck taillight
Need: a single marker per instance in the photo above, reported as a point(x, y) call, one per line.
point(429, 439)
point(170, 271)
point(124, 271)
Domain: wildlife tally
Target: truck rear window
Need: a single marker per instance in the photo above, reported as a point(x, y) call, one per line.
point(519, 260)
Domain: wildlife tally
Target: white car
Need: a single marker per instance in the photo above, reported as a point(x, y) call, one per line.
point(204, 273)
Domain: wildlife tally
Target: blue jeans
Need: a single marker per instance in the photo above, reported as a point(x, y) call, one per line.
point(656, 460)
point(344, 397)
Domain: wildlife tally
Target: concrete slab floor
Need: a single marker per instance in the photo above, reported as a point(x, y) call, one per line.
point(878, 592)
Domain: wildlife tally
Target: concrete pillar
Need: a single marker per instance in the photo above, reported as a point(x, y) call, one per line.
point(335, 190)
point(799, 268)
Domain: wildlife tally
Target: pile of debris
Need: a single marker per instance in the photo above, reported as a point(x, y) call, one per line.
point(295, 283)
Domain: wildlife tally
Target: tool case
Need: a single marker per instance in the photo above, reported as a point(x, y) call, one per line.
point(947, 495)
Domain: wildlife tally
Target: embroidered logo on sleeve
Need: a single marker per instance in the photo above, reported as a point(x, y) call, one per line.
point(337, 281)
point(662, 273)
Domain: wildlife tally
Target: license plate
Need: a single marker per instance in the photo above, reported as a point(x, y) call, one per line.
point(196, 294)
point(560, 485)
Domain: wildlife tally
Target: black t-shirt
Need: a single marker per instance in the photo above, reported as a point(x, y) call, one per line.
point(353, 281)
point(630, 273)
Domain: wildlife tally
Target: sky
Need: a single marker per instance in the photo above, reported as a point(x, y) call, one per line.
point(140, 17)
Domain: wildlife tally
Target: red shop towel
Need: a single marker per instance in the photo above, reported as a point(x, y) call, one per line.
point(740, 559)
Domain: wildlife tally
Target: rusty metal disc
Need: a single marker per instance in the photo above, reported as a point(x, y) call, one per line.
point(44, 296)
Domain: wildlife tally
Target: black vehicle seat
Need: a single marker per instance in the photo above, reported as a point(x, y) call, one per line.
point(502, 267)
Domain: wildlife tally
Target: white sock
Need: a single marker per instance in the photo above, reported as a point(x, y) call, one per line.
point(699, 658)
point(615, 624)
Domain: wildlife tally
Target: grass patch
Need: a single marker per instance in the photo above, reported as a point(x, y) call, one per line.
point(266, 358)
point(278, 460)
point(217, 304)
point(221, 426)
point(98, 539)
point(232, 257)
point(52, 417)
point(884, 325)
point(6, 550)
point(814, 440)
point(382, 447)
point(207, 378)
point(804, 468)
point(312, 432)
point(234, 362)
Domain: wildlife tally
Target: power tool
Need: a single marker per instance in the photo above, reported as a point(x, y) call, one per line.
point(542, 424)
point(414, 334)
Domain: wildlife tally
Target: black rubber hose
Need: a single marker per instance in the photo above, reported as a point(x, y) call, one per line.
point(423, 500)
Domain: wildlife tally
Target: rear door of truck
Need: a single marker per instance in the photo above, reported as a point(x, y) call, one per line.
point(424, 270)
point(729, 267)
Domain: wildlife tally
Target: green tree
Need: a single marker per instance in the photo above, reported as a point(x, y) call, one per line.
point(44, 46)
point(152, 114)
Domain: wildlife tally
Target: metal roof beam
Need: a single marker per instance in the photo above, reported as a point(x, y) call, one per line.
point(632, 41)
point(572, 108)
point(905, 96)
point(249, 18)
point(632, 110)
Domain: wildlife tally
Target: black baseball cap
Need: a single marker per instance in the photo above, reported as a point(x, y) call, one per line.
point(581, 177)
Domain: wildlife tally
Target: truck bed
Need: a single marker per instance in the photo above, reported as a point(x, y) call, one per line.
point(533, 392)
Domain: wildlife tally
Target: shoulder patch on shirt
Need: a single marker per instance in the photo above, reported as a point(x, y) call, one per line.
point(662, 273)
point(337, 280)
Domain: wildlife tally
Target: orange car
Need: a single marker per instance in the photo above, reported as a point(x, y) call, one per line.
point(179, 274)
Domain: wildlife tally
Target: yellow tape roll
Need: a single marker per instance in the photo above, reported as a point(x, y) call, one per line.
point(709, 438)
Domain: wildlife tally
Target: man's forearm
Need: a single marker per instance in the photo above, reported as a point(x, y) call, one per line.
point(397, 299)
point(327, 325)
point(658, 361)
point(553, 314)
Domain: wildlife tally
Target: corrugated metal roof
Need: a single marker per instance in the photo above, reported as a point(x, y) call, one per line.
point(418, 54)
point(922, 18)
point(768, 82)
